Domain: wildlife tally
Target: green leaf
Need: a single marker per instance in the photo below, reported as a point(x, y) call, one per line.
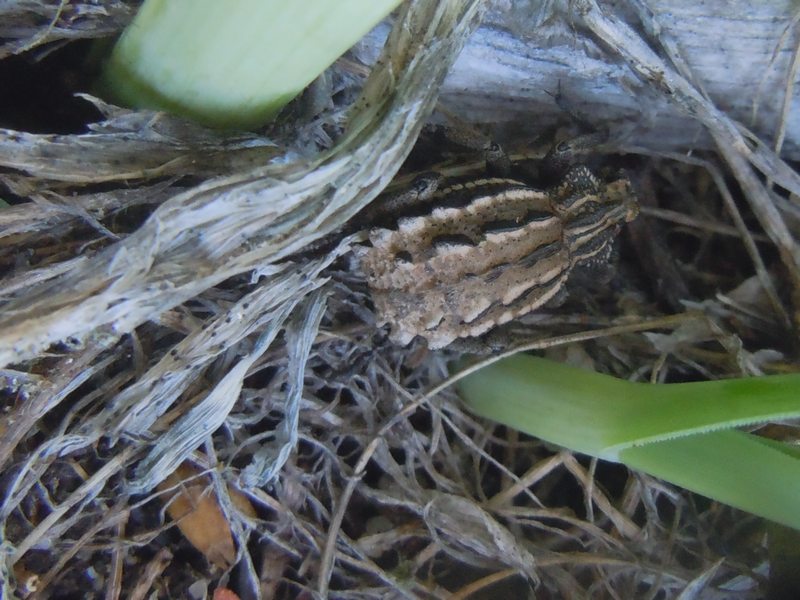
point(234, 63)
point(671, 431)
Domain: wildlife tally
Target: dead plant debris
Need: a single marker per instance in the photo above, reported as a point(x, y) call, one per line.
point(185, 412)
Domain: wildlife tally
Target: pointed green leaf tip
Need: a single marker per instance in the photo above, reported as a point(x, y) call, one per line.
point(231, 64)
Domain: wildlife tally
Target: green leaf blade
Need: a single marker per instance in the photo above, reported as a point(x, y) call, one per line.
point(733, 467)
point(232, 64)
point(677, 432)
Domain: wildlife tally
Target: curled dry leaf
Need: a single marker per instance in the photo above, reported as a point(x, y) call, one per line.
point(464, 528)
point(224, 594)
point(199, 516)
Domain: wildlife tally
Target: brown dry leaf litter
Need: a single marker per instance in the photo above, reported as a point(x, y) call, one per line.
point(149, 327)
point(192, 503)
